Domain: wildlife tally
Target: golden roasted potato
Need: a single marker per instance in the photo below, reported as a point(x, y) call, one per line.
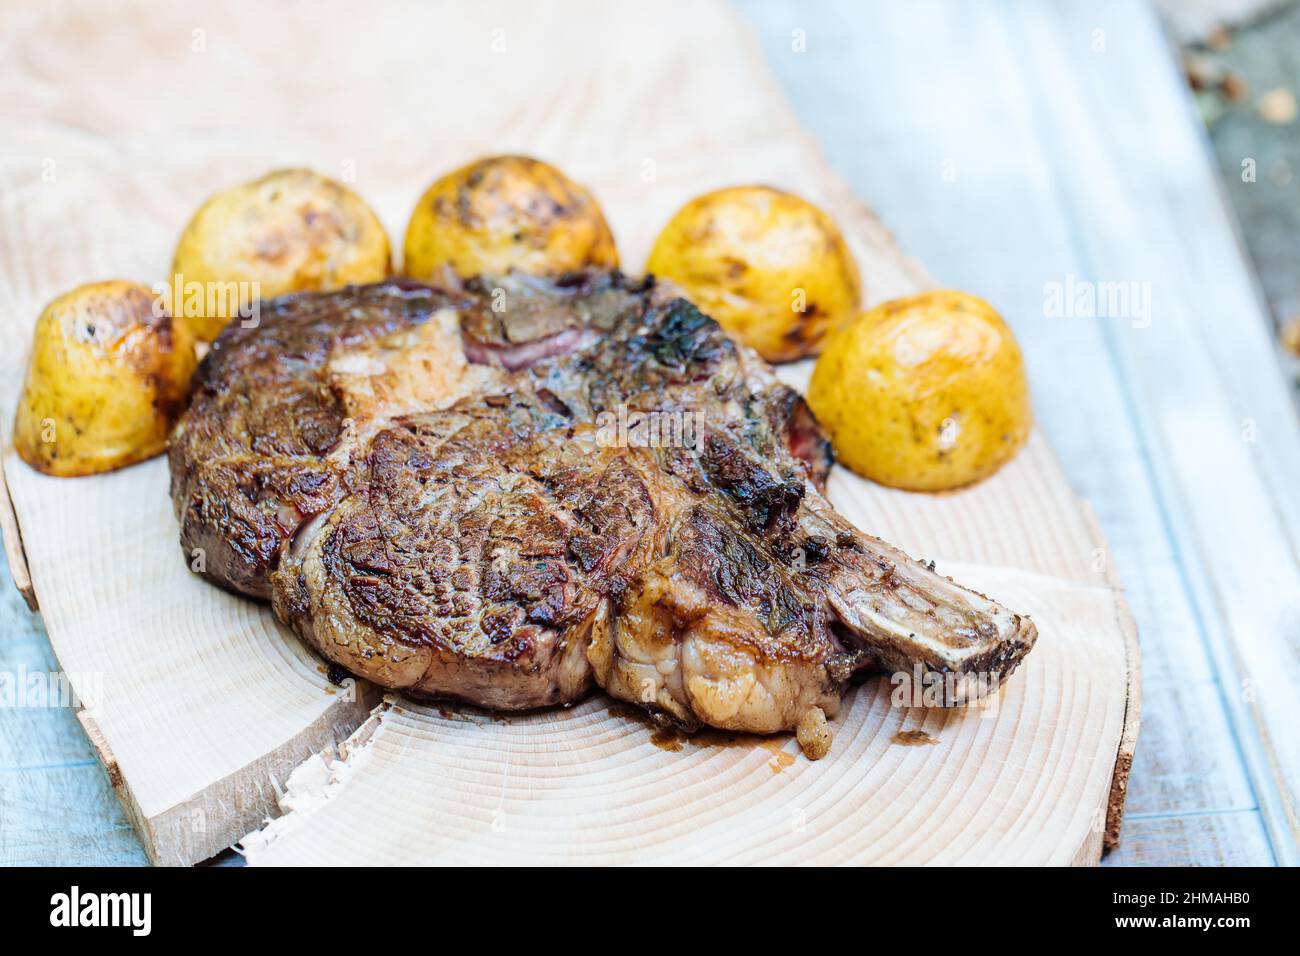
point(109, 374)
point(770, 267)
point(924, 393)
point(503, 213)
point(289, 231)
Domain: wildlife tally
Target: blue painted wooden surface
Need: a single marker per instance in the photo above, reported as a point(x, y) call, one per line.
point(1014, 144)
point(963, 124)
point(56, 806)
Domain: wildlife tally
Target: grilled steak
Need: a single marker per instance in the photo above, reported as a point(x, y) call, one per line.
point(509, 492)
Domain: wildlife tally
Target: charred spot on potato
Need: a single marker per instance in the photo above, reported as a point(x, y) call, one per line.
point(107, 379)
point(510, 212)
point(289, 231)
point(736, 268)
point(741, 252)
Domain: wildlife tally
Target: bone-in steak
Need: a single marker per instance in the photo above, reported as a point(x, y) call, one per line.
point(507, 493)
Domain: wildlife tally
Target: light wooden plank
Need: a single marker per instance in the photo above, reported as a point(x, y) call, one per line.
point(1210, 402)
point(695, 104)
point(555, 788)
point(186, 684)
point(56, 806)
point(1213, 839)
point(893, 111)
point(14, 556)
point(1185, 738)
point(37, 727)
point(64, 816)
point(871, 91)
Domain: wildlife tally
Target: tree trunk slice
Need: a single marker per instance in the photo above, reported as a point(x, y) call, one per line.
point(13, 544)
point(1020, 782)
point(201, 705)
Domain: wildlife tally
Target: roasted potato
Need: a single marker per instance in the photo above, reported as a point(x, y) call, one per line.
point(770, 267)
point(291, 230)
point(924, 393)
point(109, 374)
point(503, 213)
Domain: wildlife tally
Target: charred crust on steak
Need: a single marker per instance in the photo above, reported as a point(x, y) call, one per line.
point(445, 492)
point(248, 459)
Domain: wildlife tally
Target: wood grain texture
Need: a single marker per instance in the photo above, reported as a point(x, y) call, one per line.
point(1214, 839)
point(590, 785)
point(204, 704)
point(56, 807)
point(946, 114)
point(1223, 422)
point(53, 816)
point(13, 545)
point(198, 702)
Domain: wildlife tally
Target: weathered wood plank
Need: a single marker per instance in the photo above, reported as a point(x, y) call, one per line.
point(423, 784)
point(159, 659)
point(37, 727)
point(1185, 739)
point(944, 135)
point(698, 128)
point(1211, 406)
point(56, 805)
point(63, 816)
point(14, 557)
point(1212, 839)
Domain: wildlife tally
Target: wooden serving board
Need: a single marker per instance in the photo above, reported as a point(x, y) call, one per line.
point(211, 718)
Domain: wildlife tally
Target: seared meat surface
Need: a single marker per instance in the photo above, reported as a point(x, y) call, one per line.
point(509, 493)
point(271, 425)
